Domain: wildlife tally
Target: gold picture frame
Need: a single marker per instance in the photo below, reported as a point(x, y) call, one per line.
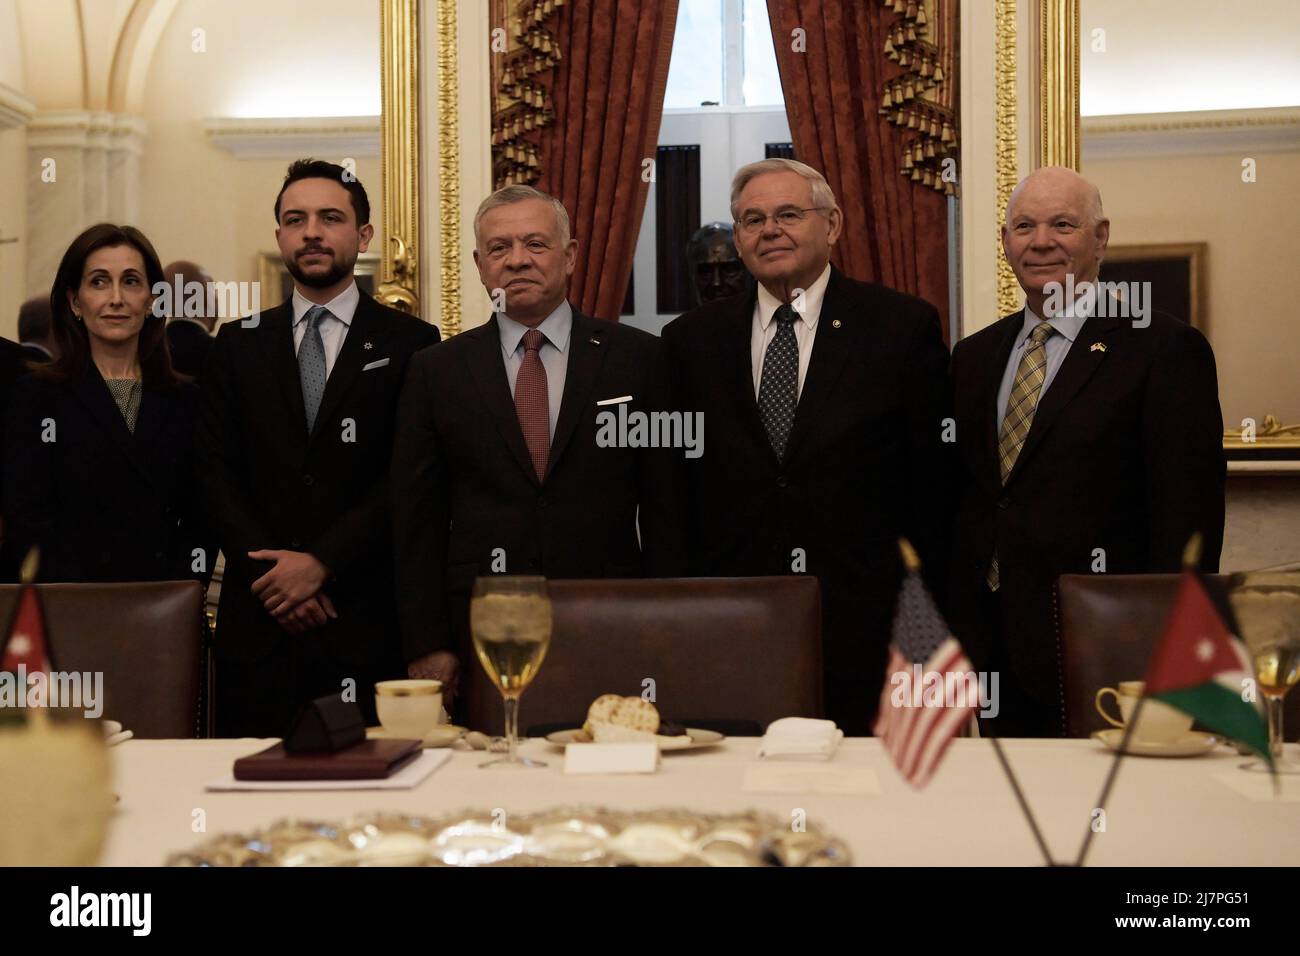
point(1193, 253)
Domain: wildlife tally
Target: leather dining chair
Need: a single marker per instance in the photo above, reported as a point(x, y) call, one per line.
point(146, 638)
point(1107, 627)
point(728, 654)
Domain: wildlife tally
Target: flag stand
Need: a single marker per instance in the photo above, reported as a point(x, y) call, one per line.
point(1024, 805)
point(1110, 777)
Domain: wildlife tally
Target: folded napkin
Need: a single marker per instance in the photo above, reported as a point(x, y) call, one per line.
point(800, 737)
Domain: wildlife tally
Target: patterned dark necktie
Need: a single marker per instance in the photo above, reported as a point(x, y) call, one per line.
point(778, 389)
point(311, 363)
point(1021, 405)
point(532, 402)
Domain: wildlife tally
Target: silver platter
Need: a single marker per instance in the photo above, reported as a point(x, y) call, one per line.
point(567, 836)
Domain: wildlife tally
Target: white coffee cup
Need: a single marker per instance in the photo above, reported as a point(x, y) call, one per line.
point(409, 708)
point(1159, 723)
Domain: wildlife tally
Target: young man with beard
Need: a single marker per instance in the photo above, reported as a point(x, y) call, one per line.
point(293, 448)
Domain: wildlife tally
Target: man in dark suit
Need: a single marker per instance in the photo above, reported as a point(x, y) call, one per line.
point(12, 367)
point(824, 402)
point(36, 330)
point(293, 447)
point(1090, 442)
point(188, 336)
point(498, 466)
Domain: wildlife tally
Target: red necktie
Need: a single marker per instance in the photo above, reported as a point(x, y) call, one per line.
point(532, 402)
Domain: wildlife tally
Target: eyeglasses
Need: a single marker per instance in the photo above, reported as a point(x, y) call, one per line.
point(752, 223)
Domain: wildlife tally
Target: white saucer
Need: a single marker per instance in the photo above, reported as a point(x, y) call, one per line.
point(1191, 744)
point(443, 735)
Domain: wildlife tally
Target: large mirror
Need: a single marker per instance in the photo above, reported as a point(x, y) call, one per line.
point(179, 117)
point(1191, 129)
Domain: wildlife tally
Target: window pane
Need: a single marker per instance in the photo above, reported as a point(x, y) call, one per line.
point(762, 81)
point(695, 72)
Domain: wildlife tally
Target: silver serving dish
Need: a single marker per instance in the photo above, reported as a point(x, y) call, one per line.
point(564, 836)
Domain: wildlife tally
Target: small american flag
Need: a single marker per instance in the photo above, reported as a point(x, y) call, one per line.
point(915, 728)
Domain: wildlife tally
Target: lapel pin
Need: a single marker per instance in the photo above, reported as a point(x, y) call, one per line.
point(593, 340)
point(1097, 347)
point(368, 346)
point(836, 324)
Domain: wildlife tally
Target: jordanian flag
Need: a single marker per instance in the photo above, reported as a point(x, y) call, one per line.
point(1200, 668)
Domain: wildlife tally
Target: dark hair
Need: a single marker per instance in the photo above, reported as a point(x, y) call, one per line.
point(71, 335)
point(320, 169)
point(34, 319)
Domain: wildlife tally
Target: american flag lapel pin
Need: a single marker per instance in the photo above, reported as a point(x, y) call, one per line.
point(1097, 347)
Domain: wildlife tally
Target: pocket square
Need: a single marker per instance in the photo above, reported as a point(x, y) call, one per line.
point(378, 363)
point(615, 401)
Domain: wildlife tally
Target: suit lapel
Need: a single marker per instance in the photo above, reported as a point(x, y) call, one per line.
point(488, 370)
point(994, 369)
point(1079, 364)
point(363, 343)
point(587, 350)
point(278, 324)
point(831, 347)
point(90, 390)
point(737, 346)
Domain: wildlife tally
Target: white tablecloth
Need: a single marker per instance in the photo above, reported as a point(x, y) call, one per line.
point(1167, 811)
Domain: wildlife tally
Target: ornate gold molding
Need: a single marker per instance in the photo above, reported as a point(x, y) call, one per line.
point(1058, 79)
point(1270, 434)
point(449, 165)
point(399, 30)
point(1005, 136)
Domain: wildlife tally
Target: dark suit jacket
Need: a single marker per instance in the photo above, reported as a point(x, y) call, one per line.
point(190, 345)
point(35, 355)
point(1125, 454)
point(101, 502)
point(12, 367)
point(270, 485)
point(865, 464)
point(464, 484)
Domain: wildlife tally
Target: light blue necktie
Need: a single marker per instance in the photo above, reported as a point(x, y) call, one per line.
point(311, 363)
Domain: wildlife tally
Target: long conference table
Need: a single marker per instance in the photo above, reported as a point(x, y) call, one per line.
point(1201, 811)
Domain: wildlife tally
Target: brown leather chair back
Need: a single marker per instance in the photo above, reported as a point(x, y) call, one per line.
point(147, 640)
point(732, 649)
point(1108, 626)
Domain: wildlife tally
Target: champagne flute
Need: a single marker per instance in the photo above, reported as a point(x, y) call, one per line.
point(510, 621)
point(1277, 668)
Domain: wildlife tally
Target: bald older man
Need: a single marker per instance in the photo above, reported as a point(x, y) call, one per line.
point(1090, 441)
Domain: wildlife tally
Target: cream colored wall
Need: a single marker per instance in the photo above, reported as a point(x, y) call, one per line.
point(1250, 230)
point(13, 160)
point(198, 201)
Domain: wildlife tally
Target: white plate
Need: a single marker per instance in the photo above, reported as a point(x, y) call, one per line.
point(443, 735)
point(1191, 744)
point(697, 739)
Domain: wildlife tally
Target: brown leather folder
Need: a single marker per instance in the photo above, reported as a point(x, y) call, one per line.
point(367, 760)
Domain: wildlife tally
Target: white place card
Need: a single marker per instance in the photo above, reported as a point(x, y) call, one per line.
point(636, 757)
point(816, 778)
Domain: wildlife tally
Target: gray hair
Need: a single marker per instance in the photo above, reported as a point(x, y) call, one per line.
point(822, 194)
point(518, 193)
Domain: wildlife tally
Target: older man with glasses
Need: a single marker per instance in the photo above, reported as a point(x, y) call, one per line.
point(824, 402)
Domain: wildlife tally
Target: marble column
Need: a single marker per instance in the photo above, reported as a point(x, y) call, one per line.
point(83, 168)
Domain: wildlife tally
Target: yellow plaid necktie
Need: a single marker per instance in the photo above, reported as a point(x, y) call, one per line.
point(1021, 405)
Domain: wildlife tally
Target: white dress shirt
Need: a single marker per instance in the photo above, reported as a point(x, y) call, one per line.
point(554, 353)
point(805, 326)
point(332, 330)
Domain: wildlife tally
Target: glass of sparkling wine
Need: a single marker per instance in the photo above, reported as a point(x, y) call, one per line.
point(510, 621)
point(1277, 668)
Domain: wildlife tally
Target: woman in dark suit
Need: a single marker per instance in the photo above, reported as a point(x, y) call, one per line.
point(97, 446)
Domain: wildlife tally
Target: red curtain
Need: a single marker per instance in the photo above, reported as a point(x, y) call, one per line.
point(608, 96)
point(833, 72)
